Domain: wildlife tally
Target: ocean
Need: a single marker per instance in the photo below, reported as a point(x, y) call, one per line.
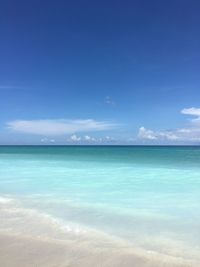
point(147, 197)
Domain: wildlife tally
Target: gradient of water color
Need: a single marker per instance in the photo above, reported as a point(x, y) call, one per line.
point(147, 196)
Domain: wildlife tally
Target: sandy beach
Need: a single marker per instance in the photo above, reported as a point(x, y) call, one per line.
point(18, 251)
point(29, 238)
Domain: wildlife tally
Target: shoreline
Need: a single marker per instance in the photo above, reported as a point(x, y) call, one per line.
point(29, 238)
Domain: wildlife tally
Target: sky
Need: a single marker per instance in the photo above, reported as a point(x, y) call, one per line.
point(99, 72)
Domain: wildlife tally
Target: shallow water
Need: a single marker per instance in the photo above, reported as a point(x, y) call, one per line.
point(146, 196)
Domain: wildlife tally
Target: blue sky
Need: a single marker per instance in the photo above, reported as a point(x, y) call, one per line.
point(96, 72)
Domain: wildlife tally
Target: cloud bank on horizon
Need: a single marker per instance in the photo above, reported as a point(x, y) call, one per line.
point(58, 126)
point(191, 133)
point(73, 128)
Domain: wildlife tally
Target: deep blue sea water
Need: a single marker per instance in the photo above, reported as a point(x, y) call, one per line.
point(148, 196)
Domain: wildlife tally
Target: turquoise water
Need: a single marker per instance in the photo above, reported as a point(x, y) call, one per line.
point(148, 196)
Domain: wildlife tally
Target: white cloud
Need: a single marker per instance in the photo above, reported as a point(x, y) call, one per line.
point(108, 100)
point(58, 127)
point(146, 134)
point(156, 135)
point(89, 138)
point(109, 138)
point(194, 112)
point(191, 111)
point(191, 133)
point(86, 139)
point(74, 138)
point(47, 140)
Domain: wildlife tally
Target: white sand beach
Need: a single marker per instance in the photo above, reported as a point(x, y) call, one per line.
point(29, 238)
point(21, 251)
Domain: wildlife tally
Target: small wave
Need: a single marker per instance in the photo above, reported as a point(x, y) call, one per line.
point(18, 219)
